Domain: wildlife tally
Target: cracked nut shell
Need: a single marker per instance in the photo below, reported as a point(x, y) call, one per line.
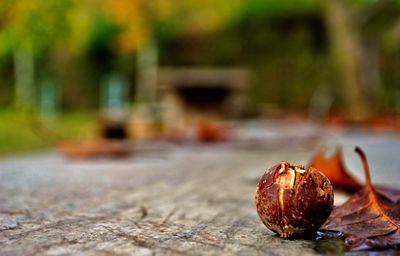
point(291, 200)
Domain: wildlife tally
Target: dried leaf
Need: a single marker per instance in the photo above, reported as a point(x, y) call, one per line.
point(335, 170)
point(208, 132)
point(370, 220)
point(390, 193)
point(94, 149)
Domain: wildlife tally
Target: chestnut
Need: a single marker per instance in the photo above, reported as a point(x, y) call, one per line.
point(291, 200)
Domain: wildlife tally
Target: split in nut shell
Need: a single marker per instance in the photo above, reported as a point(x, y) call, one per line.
point(293, 201)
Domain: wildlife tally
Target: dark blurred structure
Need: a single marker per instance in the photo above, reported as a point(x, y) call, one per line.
point(193, 94)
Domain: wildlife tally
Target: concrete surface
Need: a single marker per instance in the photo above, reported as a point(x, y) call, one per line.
point(166, 199)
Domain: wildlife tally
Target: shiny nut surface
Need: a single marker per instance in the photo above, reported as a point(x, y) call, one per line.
point(291, 200)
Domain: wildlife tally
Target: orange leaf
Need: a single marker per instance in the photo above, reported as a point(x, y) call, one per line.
point(335, 170)
point(208, 132)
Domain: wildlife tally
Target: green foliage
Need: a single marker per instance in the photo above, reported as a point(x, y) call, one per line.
point(46, 25)
point(23, 130)
point(261, 9)
point(101, 50)
point(33, 23)
point(78, 41)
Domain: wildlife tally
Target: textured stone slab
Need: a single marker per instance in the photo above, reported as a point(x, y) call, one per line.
point(164, 200)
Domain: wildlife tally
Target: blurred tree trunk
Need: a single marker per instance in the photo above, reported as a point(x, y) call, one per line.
point(348, 51)
point(147, 68)
point(24, 77)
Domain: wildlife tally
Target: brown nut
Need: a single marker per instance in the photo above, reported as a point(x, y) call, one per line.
point(291, 200)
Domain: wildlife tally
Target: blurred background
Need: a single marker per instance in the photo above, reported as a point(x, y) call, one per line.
point(74, 70)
